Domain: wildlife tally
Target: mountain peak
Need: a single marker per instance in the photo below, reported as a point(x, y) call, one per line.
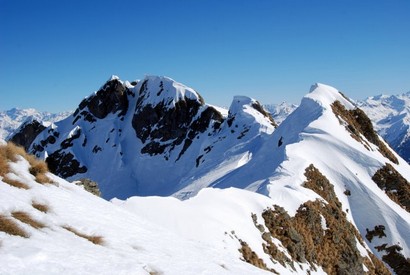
point(326, 95)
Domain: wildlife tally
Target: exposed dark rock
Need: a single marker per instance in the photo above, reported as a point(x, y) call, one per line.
point(90, 186)
point(395, 259)
point(358, 123)
point(64, 164)
point(171, 125)
point(258, 107)
point(395, 186)
point(378, 231)
point(111, 98)
point(27, 133)
point(69, 141)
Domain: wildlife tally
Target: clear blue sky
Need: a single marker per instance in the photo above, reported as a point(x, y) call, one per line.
point(54, 53)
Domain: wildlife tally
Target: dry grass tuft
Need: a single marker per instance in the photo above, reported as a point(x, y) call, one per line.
point(11, 151)
point(4, 166)
point(250, 256)
point(10, 227)
point(333, 247)
point(15, 183)
point(395, 186)
point(25, 218)
point(94, 239)
point(358, 123)
point(41, 207)
point(39, 169)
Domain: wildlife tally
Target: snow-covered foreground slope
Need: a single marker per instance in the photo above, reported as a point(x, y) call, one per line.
point(55, 226)
point(10, 120)
point(128, 242)
point(391, 117)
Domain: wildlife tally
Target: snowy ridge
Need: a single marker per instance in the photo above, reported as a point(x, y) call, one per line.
point(146, 142)
point(157, 89)
point(140, 235)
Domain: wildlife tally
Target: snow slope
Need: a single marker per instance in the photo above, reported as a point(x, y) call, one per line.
point(10, 120)
point(242, 149)
point(132, 242)
point(141, 235)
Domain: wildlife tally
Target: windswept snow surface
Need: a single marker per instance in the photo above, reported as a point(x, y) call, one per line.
point(142, 235)
point(245, 152)
point(313, 134)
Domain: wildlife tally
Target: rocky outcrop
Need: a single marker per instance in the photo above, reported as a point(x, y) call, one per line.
point(319, 233)
point(26, 134)
point(170, 122)
point(395, 186)
point(358, 123)
point(110, 98)
point(90, 186)
point(64, 164)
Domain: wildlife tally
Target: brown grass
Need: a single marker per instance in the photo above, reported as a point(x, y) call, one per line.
point(251, 257)
point(25, 218)
point(358, 123)
point(396, 187)
point(4, 166)
point(15, 183)
point(10, 227)
point(38, 167)
point(94, 239)
point(334, 249)
point(41, 207)
point(11, 151)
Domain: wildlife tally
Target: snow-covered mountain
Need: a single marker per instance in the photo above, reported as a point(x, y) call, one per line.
point(391, 117)
point(280, 111)
point(11, 120)
point(324, 169)
point(48, 225)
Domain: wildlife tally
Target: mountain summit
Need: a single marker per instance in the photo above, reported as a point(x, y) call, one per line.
point(324, 168)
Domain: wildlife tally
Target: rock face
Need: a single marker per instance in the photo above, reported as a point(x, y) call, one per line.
point(112, 97)
point(158, 137)
point(27, 132)
point(150, 137)
point(175, 119)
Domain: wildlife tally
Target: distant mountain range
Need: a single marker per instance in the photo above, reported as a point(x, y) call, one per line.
point(11, 120)
point(391, 118)
point(327, 194)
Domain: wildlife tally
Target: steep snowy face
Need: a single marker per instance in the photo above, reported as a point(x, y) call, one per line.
point(168, 114)
point(391, 115)
point(151, 137)
point(328, 131)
